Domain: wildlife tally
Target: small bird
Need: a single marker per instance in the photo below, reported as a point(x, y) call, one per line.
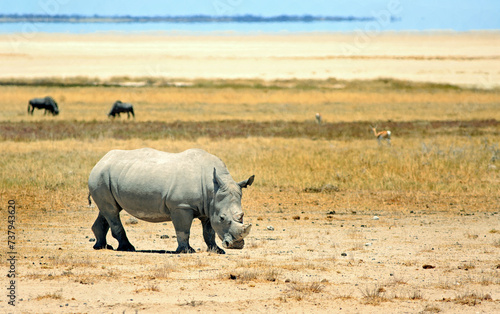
point(318, 117)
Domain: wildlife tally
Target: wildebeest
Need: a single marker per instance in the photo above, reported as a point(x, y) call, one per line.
point(156, 186)
point(119, 107)
point(48, 103)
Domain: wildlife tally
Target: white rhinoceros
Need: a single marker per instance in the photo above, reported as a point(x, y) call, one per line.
point(157, 186)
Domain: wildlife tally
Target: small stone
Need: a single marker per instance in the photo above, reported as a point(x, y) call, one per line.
point(270, 228)
point(375, 218)
point(92, 240)
point(132, 221)
point(164, 236)
point(343, 254)
point(368, 244)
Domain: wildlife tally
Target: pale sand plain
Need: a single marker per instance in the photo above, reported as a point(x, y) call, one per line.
point(469, 59)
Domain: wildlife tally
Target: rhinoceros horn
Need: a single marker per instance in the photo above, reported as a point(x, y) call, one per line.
point(246, 230)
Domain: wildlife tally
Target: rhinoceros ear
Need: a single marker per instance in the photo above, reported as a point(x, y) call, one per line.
point(247, 182)
point(217, 182)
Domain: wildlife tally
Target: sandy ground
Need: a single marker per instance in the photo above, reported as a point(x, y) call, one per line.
point(300, 257)
point(320, 255)
point(471, 59)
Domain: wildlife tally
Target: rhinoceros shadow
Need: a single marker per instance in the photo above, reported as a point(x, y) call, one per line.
point(156, 251)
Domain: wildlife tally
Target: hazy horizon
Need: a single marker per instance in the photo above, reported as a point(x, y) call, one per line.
point(421, 15)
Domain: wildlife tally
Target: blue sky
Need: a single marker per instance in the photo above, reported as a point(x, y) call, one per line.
point(432, 14)
point(188, 7)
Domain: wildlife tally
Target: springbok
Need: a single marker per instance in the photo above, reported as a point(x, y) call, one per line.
point(382, 135)
point(318, 118)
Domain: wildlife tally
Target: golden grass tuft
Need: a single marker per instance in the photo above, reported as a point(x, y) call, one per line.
point(301, 290)
point(470, 298)
point(52, 295)
point(148, 288)
point(431, 309)
point(163, 271)
point(374, 295)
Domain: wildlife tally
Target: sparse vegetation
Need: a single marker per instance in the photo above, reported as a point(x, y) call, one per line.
point(437, 172)
point(299, 291)
point(470, 298)
point(496, 243)
point(431, 309)
point(163, 271)
point(53, 295)
point(151, 287)
point(374, 295)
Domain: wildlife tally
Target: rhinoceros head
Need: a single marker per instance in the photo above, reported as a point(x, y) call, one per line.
point(227, 215)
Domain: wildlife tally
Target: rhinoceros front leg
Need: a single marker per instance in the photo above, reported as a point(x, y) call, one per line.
point(182, 220)
point(209, 236)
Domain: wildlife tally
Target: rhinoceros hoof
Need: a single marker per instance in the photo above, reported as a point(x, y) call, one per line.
point(185, 250)
point(216, 250)
point(102, 247)
point(126, 247)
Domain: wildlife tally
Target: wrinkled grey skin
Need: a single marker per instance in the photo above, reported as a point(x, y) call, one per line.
point(48, 103)
point(119, 107)
point(157, 186)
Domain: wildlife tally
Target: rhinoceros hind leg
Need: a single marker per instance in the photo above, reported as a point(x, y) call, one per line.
point(109, 218)
point(100, 229)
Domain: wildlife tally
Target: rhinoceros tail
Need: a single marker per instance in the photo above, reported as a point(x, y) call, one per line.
point(90, 201)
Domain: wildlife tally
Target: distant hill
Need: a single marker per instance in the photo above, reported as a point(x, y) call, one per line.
point(42, 18)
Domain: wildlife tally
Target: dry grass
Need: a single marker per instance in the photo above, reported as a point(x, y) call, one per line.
point(259, 101)
point(53, 295)
point(431, 309)
point(470, 298)
point(301, 290)
point(429, 186)
point(148, 288)
point(163, 271)
point(374, 295)
point(444, 163)
point(451, 165)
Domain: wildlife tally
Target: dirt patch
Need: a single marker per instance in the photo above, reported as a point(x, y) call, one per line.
point(226, 129)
